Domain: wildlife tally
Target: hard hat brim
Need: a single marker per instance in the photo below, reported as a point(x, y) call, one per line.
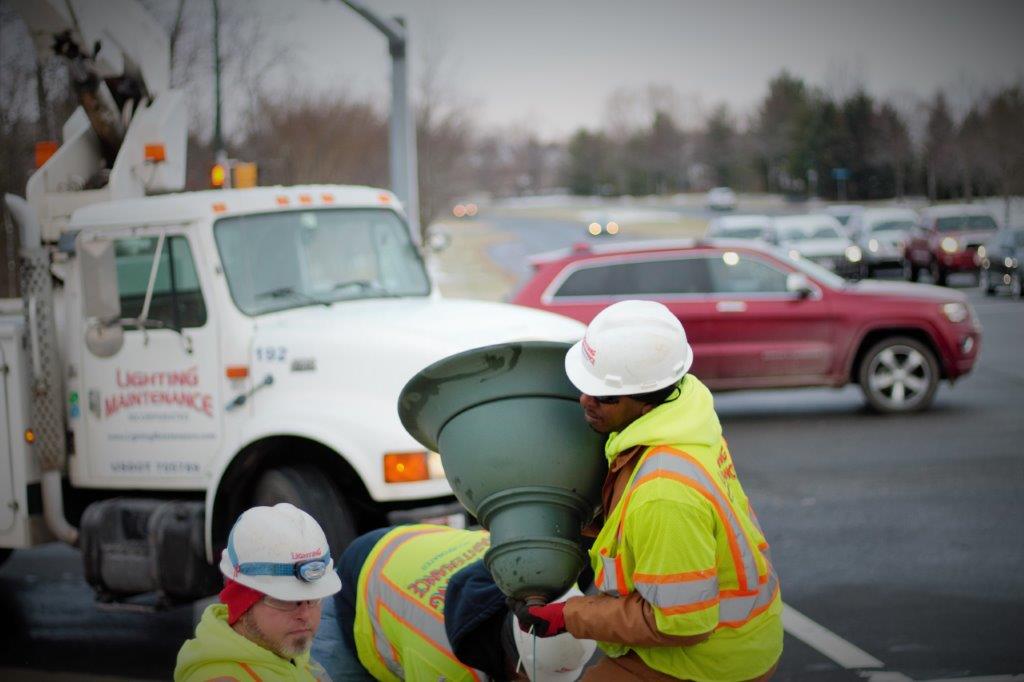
point(284, 588)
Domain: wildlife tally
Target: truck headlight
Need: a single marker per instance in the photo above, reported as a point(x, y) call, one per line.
point(981, 252)
point(873, 245)
point(949, 245)
point(955, 312)
point(853, 253)
point(794, 254)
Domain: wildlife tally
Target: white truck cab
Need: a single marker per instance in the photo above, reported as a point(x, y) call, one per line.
point(262, 340)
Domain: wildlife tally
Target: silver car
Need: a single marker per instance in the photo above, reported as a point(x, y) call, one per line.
point(882, 236)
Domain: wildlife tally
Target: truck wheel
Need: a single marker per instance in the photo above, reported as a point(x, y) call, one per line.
point(1016, 286)
point(5, 554)
point(899, 375)
point(985, 282)
point(311, 490)
point(938, 273)
point(909, 270)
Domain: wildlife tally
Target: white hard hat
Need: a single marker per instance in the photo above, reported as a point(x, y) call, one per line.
point(629, 347)
point(553, 659)
point(282, 552)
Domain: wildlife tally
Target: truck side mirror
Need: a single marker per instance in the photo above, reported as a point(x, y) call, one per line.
point(797, 283)
point(100, 296)
point(438, 239)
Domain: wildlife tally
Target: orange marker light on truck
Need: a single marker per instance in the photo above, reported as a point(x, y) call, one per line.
point(236, 371)
point(44, 150)
point(405, 467)
point(30, 436)
point(155, 153)
point(218, 174)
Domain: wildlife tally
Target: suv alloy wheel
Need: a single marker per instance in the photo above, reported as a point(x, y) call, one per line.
point(899, 374)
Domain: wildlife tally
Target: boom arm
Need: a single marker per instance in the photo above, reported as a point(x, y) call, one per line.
point(119, 61)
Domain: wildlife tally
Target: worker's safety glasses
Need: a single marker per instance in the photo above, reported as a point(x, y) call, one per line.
point(606, 399)
point(282, 605)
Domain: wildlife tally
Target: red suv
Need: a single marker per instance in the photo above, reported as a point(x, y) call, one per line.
point(758, 318)
point(946, 240)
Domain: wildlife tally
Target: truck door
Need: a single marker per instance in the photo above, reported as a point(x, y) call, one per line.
point(152, 411)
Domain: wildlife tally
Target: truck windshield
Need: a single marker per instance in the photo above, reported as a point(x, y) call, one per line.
point(274, 261)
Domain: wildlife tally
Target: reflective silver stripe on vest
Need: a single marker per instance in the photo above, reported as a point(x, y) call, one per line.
point(664, 461)
point(374, 600)
point(738, 609)
point(680, 593)
point(382, 591)
point(608, 583)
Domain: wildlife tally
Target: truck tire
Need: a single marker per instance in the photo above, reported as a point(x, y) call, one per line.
point(938, 273)
point(1016, 286)
point(5, 554)
point(313, 491)
point(909, 270)
point(899, 375)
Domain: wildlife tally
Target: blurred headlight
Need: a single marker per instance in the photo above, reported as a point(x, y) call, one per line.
point(873, 245)
point(1009, 262)
point(434, 466)
point(949, 245)
point(731, 257)
point(594, 229)
point(612, 227)
point(981, 252)
point(794, 254)
point(853, 253)
point(955, 312)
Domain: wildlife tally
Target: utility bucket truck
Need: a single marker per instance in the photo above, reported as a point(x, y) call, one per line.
point(179, 357)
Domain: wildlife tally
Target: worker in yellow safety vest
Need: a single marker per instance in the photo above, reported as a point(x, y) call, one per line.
point(277, 568)
point(417, 603)
point(687, 587)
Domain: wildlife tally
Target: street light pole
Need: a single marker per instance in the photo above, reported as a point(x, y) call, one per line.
point(220, 155)
point(402, 137)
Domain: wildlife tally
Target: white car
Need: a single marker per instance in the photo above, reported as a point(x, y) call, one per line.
point(883, 235)
point(848, 215)
point(742, 227)
point(819, 237)
point(721, 199)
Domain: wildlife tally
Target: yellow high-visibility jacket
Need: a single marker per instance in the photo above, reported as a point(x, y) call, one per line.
point(399, 627)
point(685, 537)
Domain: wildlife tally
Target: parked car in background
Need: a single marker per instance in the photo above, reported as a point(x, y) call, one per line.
point(848, 215)
point(999, 263)
point(882, 236)
point(742, 227)
point(759, 318)
point(819, 238)
point(721, 199)
point(946, 240)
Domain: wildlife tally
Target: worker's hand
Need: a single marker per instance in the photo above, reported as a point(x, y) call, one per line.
point(547, 620)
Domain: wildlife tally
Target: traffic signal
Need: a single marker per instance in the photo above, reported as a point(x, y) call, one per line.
point(218, 174)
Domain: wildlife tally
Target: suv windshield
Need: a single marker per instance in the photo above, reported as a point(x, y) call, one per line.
point(893, 226)
point(796, 234)
point(274, 261)
point(958, 223)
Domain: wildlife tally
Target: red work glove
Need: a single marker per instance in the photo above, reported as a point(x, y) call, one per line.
point(547, 620)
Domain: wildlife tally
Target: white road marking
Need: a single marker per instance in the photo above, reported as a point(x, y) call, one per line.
point(849, 656)
point(826, 641)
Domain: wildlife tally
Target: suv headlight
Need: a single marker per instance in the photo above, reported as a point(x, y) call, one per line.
point(853, 253)
point(949, 245)
point(955, 312)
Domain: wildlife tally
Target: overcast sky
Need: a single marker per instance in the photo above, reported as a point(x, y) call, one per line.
point(553, 65)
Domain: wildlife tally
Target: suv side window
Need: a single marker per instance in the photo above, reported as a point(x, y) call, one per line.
point(177, 298)
point(735, 273)
point(681, 275)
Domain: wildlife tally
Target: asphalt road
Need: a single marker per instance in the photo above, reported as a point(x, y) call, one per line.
point(903, 536)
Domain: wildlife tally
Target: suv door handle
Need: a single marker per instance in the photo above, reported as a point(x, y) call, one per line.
point(731, 306)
